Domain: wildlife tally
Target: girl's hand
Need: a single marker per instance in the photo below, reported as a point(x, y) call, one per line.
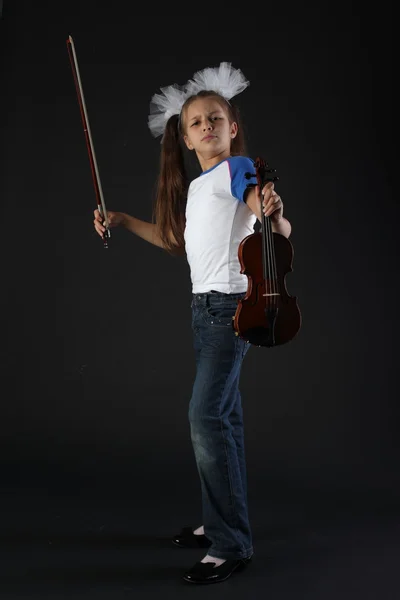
point(114, 219)
point(271, 202)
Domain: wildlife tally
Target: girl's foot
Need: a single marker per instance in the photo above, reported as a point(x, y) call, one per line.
point(213, 559)
point(199, 531)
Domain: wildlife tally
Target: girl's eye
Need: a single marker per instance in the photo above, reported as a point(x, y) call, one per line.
point(212, 118)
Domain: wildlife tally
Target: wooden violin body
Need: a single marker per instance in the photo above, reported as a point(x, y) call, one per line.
point(267, 315)
point(277, 320)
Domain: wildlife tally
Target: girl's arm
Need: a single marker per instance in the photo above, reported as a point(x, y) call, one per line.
point(147, 231)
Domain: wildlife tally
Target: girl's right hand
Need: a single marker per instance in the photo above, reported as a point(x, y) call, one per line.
point(114, 219)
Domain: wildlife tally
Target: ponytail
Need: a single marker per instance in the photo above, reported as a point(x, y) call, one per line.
point(170, 202)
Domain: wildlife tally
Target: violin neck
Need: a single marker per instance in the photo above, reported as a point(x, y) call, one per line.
point(263, 175)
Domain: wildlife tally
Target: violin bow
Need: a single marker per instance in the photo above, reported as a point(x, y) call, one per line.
point(89, 142)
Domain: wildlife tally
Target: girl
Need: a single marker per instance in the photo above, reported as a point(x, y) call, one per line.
point(207, 219)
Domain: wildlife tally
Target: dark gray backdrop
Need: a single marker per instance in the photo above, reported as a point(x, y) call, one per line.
point(97, 362)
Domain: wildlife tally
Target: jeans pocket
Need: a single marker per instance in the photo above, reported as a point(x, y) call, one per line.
point(219, 316)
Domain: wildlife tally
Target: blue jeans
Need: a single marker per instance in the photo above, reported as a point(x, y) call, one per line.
point(216, 425)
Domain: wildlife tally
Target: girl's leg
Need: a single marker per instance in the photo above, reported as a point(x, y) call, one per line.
point(216, 427)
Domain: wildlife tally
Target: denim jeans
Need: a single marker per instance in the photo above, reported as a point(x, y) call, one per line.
point(216, 425)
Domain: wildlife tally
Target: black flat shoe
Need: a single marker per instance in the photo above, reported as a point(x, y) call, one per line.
point(207, 573)
point(187, 539)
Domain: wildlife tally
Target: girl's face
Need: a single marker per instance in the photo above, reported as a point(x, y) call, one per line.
point(207, 128)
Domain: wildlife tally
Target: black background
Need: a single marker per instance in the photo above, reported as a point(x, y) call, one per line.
point(97, 362)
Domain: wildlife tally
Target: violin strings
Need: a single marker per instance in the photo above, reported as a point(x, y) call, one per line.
point(270, 270)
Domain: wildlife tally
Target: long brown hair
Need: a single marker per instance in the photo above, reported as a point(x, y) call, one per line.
point(173, 181)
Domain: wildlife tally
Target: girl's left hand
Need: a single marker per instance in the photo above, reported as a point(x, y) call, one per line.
point(272, 203)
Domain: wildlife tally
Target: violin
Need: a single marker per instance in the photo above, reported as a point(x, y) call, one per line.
point(267, 315)
point(89, 142)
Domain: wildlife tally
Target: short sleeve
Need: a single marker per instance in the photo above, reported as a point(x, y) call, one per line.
point(243, 176)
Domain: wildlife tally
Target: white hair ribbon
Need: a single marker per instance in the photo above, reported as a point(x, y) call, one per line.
point(225, 80)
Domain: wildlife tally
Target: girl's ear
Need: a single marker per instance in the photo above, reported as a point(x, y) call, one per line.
point(234, 130)
point(187, 142)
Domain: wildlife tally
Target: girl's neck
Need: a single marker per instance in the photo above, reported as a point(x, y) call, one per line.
point(208, 163)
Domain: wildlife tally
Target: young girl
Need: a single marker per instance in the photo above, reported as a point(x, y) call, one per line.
point(207, 218)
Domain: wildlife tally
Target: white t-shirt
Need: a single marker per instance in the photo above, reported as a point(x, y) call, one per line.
point(217, 220)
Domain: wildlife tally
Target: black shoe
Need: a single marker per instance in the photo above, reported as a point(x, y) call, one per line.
point(187, 539)
point(207, 573)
